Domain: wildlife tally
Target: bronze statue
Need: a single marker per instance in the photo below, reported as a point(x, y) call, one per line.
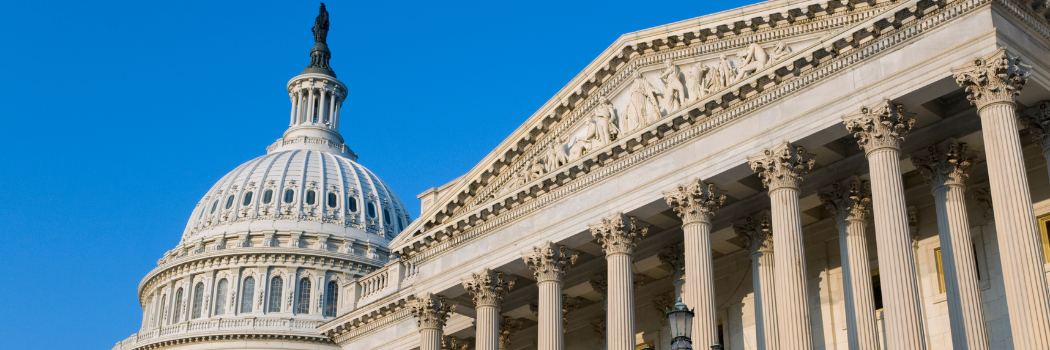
point(321, 25)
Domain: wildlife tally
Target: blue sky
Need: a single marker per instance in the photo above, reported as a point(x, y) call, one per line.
point(118, 116)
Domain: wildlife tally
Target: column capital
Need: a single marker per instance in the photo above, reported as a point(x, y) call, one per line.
point(756, 231)
point(549, 261)
point(695, 201)
point(619, 233)
point(431, 310)
point(880, 126)
point(946, 164)
point(994, 78)
point(1037, 119)
point(674, 259)
point(849, 199)
point(449, 342)
point(782, 166)
point(507, 328)
point(600, 284)
point(569, 305)
point(488, 287)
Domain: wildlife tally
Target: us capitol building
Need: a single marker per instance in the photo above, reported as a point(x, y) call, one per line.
point(820, 174)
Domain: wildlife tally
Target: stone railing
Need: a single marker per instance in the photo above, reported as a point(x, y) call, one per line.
point(393, 277)
point(222, 326)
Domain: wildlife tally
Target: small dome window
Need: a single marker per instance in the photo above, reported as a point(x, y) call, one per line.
point(310, 197)
point(229, 201)
point(267, 196)
point(371, 210)
point(289, 195)
point(352, 204)
point(214, 205)
point(333, 200)
point(386, 216)
point(247, 198)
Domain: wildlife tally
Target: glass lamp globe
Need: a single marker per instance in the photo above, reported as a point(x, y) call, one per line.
point(681, 320)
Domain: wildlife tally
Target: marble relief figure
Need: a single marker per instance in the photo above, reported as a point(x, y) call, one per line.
point(697, 82)
point(674, 91)
point(724, 73)
point(642, 108)
point(754, 59)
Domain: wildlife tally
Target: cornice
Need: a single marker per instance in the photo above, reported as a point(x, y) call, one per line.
point(801, 69)
point(356, 324)
point(191, 339)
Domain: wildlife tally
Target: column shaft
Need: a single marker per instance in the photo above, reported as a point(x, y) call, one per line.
point(487, 328)
point(429, 339)
point(620, 326)
point(1022, 258)
point(765, 300)
point(792, 297)
point(856, 285)
point(700, 282)
point(551, 335)
point(960, 276)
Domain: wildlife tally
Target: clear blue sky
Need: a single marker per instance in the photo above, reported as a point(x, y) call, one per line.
point(117, 117)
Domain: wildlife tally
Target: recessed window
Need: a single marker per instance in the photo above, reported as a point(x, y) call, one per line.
point(1044, 230)
point(214, 205)
point(352, 204)
point(229, 201)
point(247, 199)
point(289, 195)
point(940, 269)
point(247, 294)
point(160, 312)
point(198, 300)
point(267, 196)
point(386, 216)
point(333, 200)
point(220, 297)
point(275, 295)
point(371, 210)
point(178, 306)
point(331, 299)
point(310, 197)
point(303, 306)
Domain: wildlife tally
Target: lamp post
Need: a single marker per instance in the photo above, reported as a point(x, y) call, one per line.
point(681, 320)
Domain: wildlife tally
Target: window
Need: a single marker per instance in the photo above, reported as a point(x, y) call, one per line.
point(331, 299)
point(1044, 233)
point(303, 305)
point(876, 289)
point(160, 312)
point(198, 300)
point(247, 294)
point(333, 200)
point(371, 210)
point(220, 297)
point(275, 295)
point(386, 216)
point(940, 269)
point(352, 205)
point(213, 206)
point(229, 201)
point(178, 306)
point(310, 197)
point(721, 334)
point(267, 196)
point(289, 195)
point(316, 108)
point(247, 198)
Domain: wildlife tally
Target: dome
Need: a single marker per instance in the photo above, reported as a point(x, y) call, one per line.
point(314, 191)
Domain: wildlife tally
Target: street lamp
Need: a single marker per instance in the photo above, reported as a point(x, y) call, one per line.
point(681, 320)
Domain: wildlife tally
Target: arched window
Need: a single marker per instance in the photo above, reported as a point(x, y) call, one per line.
point(317, 108)
point(386, 216)
point(352, 205)
point(289, 195)
point(177, 306)
point(310, 197)
point(198, 299)
point(303, 305)
point(229, 201)
point(160, 312)
point(333, 200)
point(220, 297)
point(371, 210)
point(275, 295)
point(247, 294)
point(267, 196)
point(331, 298)
point(247, 198)
point(214, 205)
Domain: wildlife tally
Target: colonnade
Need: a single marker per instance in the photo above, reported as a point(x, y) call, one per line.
point(776, 242)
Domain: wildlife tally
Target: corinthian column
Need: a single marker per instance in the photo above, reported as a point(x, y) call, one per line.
point(849, 201)
point(507, 328)
point(1037, 119)
point(782, 169)
point(695, 202)
point(674, 259)
point(757, 234)
point(618, 235)
point(431, 312)
point(991, 83)
point(946, 168)
point(880, 131)
point(488, 288)
point(549, 262)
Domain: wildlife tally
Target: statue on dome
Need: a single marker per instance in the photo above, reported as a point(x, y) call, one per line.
point(321, 26)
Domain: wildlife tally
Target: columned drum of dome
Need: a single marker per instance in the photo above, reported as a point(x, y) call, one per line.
point(267, 247)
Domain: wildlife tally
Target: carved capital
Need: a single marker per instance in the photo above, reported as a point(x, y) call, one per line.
point(995, 78)
point(782, 166)
point(507, 328)
point(600, 284)
point(431, 310)
point(619, 233)
point(983, 196)
point(488, 287)
point(880, 126)
point(849, 199)
point(674, 259)
point(549, 261)
point(449, 342)
point(695, 201)
point(756, 231)
point(1037, 119)
point(569, 305)
point(946, 164)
